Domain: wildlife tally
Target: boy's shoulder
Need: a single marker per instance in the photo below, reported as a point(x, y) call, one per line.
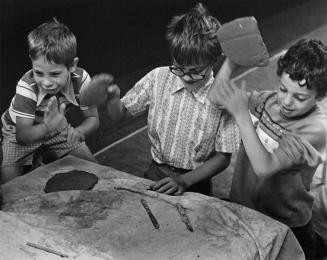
point(79, 73)
point(312, 127)
point(27, 82)
point(28, 78)
point(163, 70)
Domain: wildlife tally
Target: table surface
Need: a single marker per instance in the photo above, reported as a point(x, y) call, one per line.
point(110, 222)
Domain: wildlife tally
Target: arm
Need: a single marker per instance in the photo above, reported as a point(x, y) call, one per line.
point(224, 74)
point(115, 108)
point(176, 186)
point(91, 122)
point(54, 121)
point(89, 125)
point(236, 101)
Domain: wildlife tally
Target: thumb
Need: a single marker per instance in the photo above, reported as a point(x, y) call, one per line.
point(113, 91)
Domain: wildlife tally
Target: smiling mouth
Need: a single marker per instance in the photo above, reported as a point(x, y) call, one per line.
point(285, 109)
point(191, 82)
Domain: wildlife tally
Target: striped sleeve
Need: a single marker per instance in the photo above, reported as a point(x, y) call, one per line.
point(24, 102)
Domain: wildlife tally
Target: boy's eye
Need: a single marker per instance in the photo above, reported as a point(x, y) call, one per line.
point(55, 74)
point(282, 89)
point(301, 99)
point(39, 73)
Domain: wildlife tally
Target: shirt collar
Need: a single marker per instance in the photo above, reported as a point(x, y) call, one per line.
point(67, 92)
point(200, 94)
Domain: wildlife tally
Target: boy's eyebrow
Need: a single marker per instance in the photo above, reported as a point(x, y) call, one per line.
point(199, 69)
point(298, 94)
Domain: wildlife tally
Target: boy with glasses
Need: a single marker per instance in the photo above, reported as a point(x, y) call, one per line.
point(191, 139)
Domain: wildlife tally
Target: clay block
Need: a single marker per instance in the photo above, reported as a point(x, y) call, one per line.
point(242, 43)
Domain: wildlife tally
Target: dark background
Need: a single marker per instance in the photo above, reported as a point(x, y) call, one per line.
point(123, 37)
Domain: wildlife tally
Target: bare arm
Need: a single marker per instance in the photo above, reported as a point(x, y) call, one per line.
point(115, 108)
point(235, 99)
point(216, 164)
point(91, 121)
point(224, 74)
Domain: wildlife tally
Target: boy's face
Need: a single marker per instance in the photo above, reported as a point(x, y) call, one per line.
point(192, 76)
point(293, 99)
point(51, 77)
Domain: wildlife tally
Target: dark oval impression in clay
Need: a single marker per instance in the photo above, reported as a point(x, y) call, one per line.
point(72, 180)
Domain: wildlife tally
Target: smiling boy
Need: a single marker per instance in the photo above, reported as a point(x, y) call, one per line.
point(284, 139)
point(36, 116)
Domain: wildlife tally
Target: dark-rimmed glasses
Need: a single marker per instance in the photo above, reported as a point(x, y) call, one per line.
point(193, 75)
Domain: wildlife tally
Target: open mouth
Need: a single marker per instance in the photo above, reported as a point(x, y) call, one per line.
point(286, 110)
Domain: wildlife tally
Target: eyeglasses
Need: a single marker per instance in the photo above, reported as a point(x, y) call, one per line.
point(193, 75)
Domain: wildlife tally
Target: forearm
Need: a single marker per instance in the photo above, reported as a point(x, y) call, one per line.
point(117, 111)
point(89, 125)
point(263, 162)
point(226, 70)
point(32, 134)
point(216, 164)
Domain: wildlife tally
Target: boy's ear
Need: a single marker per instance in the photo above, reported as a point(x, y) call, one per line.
point(74, 65)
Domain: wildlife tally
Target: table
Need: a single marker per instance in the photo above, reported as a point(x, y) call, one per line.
point(109, 221)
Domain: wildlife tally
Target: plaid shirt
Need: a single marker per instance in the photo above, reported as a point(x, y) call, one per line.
point(184, 128)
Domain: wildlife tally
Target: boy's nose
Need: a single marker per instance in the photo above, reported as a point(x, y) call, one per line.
point(46, 83)
point(187, 78)
point(288, 100)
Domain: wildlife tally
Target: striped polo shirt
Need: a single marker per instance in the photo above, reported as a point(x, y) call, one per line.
point(184, 128)
point(30, 101)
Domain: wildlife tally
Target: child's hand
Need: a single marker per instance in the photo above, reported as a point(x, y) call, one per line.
point(73, 135)
point(168, 186)
point(54, 116)
point(233, 98)
point(96, 92)
point(113, 93)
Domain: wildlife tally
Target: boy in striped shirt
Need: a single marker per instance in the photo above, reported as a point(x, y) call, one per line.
point(36, 116)
point(284, 139)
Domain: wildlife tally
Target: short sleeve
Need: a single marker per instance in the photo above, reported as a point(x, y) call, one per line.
point(24, 103)
point(137, 99)
point(306, 147)
point(228, 136)
point(257, 100)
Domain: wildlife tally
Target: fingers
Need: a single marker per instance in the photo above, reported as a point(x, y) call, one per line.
point(52, 104)
point(160, 183)
point(102, 79)
point(62, 108)
point(168, 186)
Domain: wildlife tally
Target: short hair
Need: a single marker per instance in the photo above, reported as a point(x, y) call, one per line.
point(306, 60)
point(54, 41)
point(192, 37)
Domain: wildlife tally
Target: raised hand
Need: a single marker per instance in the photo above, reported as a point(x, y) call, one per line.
point(54, 115)
point(95, 92)
point(232, 97)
